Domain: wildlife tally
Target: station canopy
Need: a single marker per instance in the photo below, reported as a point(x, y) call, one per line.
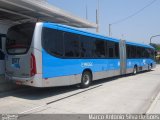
point(18, 11)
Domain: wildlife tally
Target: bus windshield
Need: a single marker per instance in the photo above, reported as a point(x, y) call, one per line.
point(19, 38)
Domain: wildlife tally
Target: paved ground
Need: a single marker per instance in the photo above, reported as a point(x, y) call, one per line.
point(129, 94)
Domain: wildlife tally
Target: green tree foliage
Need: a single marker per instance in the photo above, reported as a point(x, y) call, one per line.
point(156, 46)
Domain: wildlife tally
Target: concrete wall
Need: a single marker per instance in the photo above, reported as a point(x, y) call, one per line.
point(3, 28)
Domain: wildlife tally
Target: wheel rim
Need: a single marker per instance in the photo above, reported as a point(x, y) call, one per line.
point(150, 67)
point(86, 79)
point(135, 71)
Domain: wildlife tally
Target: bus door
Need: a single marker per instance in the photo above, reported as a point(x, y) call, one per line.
point(2, 53)
point(123, 61)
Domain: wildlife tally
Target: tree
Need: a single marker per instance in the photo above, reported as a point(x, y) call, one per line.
point(156, 46)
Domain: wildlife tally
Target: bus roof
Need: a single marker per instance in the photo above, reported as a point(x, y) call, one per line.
point(139, 44)
point(81, 32)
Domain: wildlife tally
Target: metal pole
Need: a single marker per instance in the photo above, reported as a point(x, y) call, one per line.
point(97, 17)
point(110, 30)
point(86, 10)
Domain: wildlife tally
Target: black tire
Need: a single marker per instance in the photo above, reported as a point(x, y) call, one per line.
point(86, 79)
point(151, 66)
point(135, 70)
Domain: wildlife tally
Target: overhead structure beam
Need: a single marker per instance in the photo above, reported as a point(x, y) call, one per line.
point(35, 9)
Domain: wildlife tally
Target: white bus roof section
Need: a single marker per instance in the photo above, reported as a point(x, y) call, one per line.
point(35, 10)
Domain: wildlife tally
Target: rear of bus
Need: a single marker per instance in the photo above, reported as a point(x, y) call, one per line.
point(24, 56)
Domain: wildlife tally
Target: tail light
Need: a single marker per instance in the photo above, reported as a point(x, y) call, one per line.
point(33, 65)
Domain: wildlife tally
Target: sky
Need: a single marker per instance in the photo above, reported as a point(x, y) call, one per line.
point(139, 28)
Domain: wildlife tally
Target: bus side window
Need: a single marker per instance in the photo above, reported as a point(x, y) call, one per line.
point(100, 48)
point(116, 50)
point(111, 49)
point(129, 51)
point(133, 50)
point(2, 55)
point(52, 42)
point(71, 45)
point(0, 43)
point(86, 47)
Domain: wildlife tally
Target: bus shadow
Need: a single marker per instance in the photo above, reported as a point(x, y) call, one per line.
point(31, 93)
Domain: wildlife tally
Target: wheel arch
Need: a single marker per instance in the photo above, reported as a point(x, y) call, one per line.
point(136, 66)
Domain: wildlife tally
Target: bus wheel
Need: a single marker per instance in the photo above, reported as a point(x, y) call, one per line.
point(135, 70)
point(86, 79)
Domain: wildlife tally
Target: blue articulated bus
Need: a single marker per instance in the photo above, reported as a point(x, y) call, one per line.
point(46, 55)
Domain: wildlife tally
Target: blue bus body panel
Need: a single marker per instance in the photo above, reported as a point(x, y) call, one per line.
point(56, 67)
point(139, 62)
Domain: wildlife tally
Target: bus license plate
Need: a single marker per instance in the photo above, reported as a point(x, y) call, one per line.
point(15, 62)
